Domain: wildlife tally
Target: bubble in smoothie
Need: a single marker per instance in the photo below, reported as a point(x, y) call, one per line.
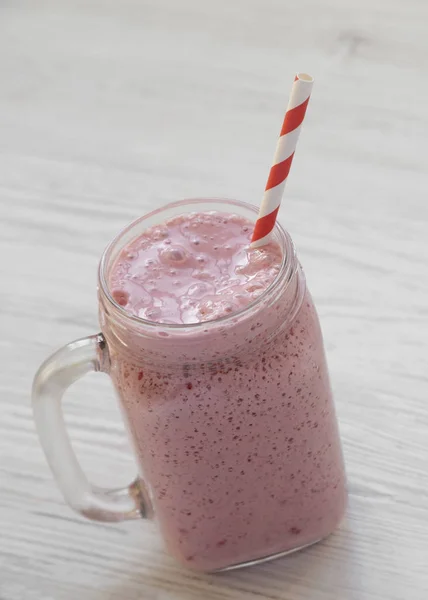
point(174, 256)
point(199, 290)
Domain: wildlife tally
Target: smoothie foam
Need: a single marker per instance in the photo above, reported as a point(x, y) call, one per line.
point(193, 268)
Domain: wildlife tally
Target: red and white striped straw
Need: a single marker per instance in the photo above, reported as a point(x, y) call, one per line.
point(284, 153)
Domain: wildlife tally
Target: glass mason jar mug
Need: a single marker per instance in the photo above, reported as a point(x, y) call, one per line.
point(232, 420)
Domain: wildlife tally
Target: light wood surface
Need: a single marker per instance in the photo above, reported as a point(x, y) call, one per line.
point(109, 108)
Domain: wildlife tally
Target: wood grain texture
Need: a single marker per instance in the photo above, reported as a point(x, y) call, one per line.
point(110, 108)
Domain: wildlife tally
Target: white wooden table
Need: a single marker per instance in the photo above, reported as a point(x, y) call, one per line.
point(110, 108)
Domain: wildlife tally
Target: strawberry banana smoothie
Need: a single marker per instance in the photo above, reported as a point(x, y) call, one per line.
point(226, 393)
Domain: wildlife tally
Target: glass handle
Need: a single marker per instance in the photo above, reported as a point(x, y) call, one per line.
point(55, 375)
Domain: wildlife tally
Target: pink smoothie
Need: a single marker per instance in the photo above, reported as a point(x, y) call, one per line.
point(193, 269)
point(233, 423)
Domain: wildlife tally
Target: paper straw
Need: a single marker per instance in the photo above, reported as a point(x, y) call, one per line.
point(284, 153)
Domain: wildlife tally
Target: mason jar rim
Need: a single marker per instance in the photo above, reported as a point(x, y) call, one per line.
point(286, 271)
